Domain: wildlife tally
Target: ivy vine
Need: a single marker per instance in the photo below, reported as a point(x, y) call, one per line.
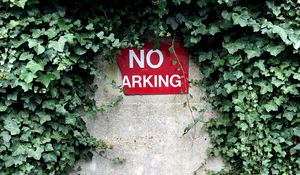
point(248, 52)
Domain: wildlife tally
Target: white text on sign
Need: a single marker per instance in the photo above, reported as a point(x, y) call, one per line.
point(149, 81)
point(141, 61)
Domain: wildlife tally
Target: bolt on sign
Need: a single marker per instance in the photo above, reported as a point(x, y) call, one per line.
point(164, 70)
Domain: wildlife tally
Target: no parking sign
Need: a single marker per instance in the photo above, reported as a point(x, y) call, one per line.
point(164, 70)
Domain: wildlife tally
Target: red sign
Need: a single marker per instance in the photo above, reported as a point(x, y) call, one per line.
point(154, 71)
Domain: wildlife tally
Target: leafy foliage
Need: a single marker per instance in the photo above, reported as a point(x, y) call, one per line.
point(248, 52)
point(46, 65)
point(250, 66)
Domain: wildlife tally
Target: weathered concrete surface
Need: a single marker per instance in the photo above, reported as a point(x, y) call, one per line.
point(147, 132)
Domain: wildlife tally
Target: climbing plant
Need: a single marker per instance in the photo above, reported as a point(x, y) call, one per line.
point(248, 52)
point(47, 62)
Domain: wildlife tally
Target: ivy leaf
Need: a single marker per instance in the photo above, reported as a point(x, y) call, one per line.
point(70, 38)
point(90, 26)
point(61, 109)
point(39, 49)
point(289, 115)
point(230, 88)
point(172, 22)
point(204, 56)
point(174, 62)
point(188, 128)
point(218, 62)
point(95, 48)
point(44, 117)
point(26, 56)
point(12, 96)
point(251, 53)
point(180, 18)
point(118, 160)
point(80, 50)
point(37, 153)
point(3, 107)
point(290, 89)
point(295, 149)
point(260, 64)
point(58, 45)
point(46, 79)
point(279, 150)
point(19, 3)
point(279, 100)
point(116, 43)
point(111, 37)
point(34, 66)
point(238, 74)
point(12, 24)
point(278, 73)
point(25, 86)
point(276, 82)
point(48, 104)
point(242, 19)
point(27, 76)
point(213, 29)
point(244, 126)
point(233, 47)
point(6, 137)
point(274, 50)
point(36, 33)
point(32, 43)
point(281, 32)
point(12, 126)
point(271, 107)
point(297, 131)
point(71, 119)
point(49, 147)
point(265, 87)
point(13, 160)
point(19, 150)
point(100, 35)
point(296, 44)
point(296, 76)
point(51, 33)
point(49, 157)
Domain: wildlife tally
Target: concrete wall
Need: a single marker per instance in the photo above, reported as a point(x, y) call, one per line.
point(147, 131)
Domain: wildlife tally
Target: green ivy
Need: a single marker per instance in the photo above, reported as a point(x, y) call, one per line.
point(47, 63)
point(248, 52)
